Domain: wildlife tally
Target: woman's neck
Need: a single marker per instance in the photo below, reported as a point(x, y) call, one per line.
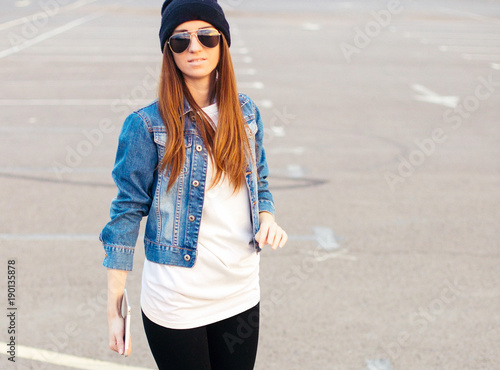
point(200, 91)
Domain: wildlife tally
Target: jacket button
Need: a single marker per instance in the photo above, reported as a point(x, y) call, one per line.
point(192, 117)
point(196, 183)
point(187, 257)
point(191, 218)
point(199, 148)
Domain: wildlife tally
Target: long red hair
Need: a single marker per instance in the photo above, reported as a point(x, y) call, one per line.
point(228, 144)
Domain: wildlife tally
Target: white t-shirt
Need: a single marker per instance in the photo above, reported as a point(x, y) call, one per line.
point(225, 278)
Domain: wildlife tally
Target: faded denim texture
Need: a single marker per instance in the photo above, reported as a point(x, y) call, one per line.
point(173, 217)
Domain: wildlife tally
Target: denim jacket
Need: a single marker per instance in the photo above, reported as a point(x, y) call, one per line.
point(173, 221)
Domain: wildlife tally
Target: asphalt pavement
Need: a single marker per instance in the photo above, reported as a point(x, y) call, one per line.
point(382, 135)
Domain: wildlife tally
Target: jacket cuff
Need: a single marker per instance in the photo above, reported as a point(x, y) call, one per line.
point(118, 257)
point(266, 206)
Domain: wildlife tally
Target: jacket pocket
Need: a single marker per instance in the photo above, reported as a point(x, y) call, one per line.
point(160, 138)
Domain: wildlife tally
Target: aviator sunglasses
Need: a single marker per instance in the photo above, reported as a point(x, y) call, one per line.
point(208, 37)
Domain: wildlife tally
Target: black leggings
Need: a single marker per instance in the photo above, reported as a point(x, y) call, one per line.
point(224, 345)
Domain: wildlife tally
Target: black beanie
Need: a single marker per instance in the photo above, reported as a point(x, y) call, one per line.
point(175, 12)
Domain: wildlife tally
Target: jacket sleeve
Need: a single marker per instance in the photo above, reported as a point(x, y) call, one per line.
point(266, 202)
point(133, 174)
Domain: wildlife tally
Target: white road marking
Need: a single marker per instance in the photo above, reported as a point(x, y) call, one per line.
point(21, 130)
point(451, 36)
point(295, 171)
point(248, 71)
point(324, 236)
point(341, 255)
point(311, 26)
point(22, 3)
point(429, 96)
point(35, 17)
point(278, 131)
point(252, 85)
point(32, 170)
point(239, 51)
point(49, 34)
point(81, 50)
point(346, 5)
point(461, 42)
point(49, 237)
point(487, 57)
point(379, 364)
point(69, 361)
point(295, 150)
point(92, 58)
point(469, 49)
point(475, 16)
point(62, 82)
point(265, 103)
point(72, 102)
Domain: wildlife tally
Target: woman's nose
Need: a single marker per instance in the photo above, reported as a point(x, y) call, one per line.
point(194, 45)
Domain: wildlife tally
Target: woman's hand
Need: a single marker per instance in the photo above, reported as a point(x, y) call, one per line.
point(116, 331)
point(270, 232)
point(116, 323)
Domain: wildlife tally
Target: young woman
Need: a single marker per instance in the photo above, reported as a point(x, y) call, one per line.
point(193, 162)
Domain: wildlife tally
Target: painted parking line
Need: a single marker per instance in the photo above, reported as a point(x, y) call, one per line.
point(47, 35)
point(484, 57)
point(49, 237)
point(311, 26)
point(30, 84)
point(252, 85)
point(22, 3)
point(247, 71)
point(85, 58)
point(40, 15)
point(71, 102)
point(461, 42)
point(69, 361)
point(475, 16)
point(278, 131)
point(429, 96)
point(37, 170)
point(323, 236)
point(238, 58)
point(264, 103)
point(239, 51)
point(298, 150)
point(72, 50)
point(379, 364)
point(469, 49)
point(21, 130)
point(451, 36)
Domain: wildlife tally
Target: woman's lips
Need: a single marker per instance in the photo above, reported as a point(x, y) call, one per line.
point(196, 61)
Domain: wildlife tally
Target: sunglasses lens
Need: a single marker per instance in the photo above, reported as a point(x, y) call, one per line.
point(179, 42)
point(208, 37)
